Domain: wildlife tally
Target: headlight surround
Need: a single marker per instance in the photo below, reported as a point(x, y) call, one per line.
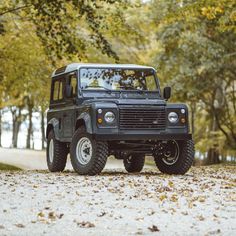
point(109, 117)
point(173, 117)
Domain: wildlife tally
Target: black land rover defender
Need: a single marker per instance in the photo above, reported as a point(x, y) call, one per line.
point(98, 110)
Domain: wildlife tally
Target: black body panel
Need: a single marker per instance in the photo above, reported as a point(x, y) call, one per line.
point(142, 116)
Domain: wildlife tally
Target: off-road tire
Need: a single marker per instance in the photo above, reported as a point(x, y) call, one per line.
point(99, 154)
point(184, 162)
point(134, 163)
point(59, 155)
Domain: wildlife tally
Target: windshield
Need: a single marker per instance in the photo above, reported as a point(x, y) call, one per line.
point(118, 79)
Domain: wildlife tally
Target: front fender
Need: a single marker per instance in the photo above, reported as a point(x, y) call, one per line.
point(53, 124)
point(86, 120)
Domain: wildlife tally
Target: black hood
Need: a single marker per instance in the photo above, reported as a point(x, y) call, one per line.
point(158, 102)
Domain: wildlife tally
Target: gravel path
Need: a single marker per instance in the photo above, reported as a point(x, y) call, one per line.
point(203, 202)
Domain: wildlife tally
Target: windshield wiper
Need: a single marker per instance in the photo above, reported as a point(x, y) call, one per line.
point(98, 86)
point(132, 88)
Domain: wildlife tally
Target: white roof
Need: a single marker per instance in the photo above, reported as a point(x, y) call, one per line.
point(77, 66)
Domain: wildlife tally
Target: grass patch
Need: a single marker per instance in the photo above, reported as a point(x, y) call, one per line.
point(8, 167)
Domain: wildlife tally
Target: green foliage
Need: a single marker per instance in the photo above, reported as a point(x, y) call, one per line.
point(192, 44)
point(24, 65)
point(6, 167)
point(195, 54)
point(58, 24)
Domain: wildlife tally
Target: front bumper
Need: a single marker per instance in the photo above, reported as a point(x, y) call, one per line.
point(168, 134)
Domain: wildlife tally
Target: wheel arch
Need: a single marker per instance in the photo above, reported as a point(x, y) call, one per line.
point(84, 120)
point(53, 124)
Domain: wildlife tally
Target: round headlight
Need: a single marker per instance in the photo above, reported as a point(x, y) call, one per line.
point(173, 117)
point(109, 117)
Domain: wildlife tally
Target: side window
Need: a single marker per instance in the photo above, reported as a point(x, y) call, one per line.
point(73, 83)
point(60, 95)
point(57, 90)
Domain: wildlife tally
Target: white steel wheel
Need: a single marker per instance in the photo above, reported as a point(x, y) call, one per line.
point(51, 150)
point(84, 150)
point(88, 156)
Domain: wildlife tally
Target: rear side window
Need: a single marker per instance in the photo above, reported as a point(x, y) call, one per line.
point(73, 83)
point(57, 90)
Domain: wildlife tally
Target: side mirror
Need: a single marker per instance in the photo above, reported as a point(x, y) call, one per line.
point(68, 91)
point(167, 93)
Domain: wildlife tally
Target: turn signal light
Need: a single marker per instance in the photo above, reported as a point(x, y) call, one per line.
point(182, 120)
point(99, 120)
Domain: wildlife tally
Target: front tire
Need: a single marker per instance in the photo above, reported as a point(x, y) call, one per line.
point(88, 156)
point(56, 153)
point(134, 162)
point(175, 157)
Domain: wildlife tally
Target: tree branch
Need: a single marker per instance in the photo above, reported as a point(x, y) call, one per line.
point(14, 9)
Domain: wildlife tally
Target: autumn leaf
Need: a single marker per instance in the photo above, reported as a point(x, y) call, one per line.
point(154, 228)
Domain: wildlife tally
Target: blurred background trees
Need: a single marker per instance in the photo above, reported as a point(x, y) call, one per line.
point(191, 43)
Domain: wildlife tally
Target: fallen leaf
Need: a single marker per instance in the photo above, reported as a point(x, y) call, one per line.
point(162, 197)
point(185, 213)
point(41, 214)
point(152, 212)
point(101, 214)
point(85, 224)
point(52, 215)
point(59, 216)
point(153, 228)
point(174, 198)
point(20, 225)
point(201, 218)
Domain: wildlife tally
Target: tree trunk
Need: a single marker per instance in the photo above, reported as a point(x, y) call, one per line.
point(17, 129)
point(224, 157)
point(13, 112)
point(42, 129)
point(0, 128)
point(16, 123)
point(213, 156)
point(30, 127)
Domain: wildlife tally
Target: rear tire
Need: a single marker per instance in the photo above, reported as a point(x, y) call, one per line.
point(88, 156)
point(56, 153)
point(182, 163)
point(134, 162)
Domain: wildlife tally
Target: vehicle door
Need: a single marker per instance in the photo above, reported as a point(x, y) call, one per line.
point(57, 102)
point(71, 93)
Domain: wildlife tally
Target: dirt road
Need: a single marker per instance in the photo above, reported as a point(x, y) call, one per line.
point(202, 202)
point(36, 160)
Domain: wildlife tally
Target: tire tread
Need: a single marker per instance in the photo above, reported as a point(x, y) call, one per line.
point(101, 152)
point(136, 165)
point(60, 154)
point(185, 160)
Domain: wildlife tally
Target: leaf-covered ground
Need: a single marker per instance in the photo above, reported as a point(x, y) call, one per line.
point(202, 202)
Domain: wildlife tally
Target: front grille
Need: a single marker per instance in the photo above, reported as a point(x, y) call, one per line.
point(142, 117)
